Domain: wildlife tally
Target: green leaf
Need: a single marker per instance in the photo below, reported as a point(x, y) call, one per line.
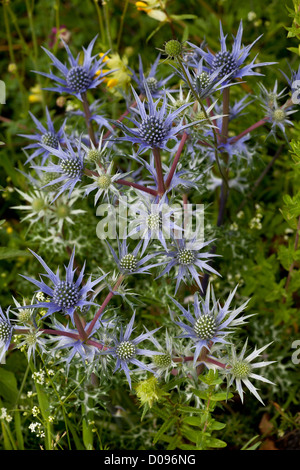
point(203, 394)
point(211, 378)
point(215, 443)
point(192, 420)
point(221, 396)
point(8, 386)
point(87, 435)
point(6, 253)
point(216, 425)
point(165, 426)
point(286, 256)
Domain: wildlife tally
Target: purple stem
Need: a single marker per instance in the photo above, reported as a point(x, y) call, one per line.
point(176, 159)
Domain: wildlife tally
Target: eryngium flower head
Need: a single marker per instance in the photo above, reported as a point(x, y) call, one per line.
point(153, 221)
point(129, 262)
point(203, 81)
point(155, 128)
point(241, 369)
point(154, 84)
point(69, 169)
point(6, 330)
point(187, 258)
point(80, 76)
point(45, 135)
point(126, 349)
point(211, 322)
point(64, 295)
point(230, 63)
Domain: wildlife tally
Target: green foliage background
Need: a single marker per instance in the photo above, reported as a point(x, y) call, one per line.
point(258, 259)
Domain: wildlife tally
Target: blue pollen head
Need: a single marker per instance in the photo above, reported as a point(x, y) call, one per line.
point(185, 256)
point(66, 294)
point(153, 131)
point(205, 327)
point(128, 263)
point(72, 167)
point(226, 61)
point(125, 350)
point(78, 79)
point(50, 139)
point(5, 331)
point(154, 221)
point(152, 84)
point(201, 81)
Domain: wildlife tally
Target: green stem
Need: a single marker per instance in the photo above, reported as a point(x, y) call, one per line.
point(122, 23)
point(106, 19)
point(35, 44)
point(12, 55)
point(100, 21)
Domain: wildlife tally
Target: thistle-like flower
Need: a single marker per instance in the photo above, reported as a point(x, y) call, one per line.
point(162, 363)
point(154, 84)
point(45, 135)
point(37, 207)
point(6, 329)
point(126, 349)
point(69, 169)
point(80, 76)
point(63, 295)
point(32, 340)
point(187, 258)
point(230, 63)
point(155, 128)
point(104, 182)
point(211, 322)
point(277, 115)
point(129, 262)
point(240, 369)
point(203, 81)
point(153, 221)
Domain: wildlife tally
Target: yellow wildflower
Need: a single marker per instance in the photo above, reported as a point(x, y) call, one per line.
point(35, 95)
point(153, 9)
point(120, 75)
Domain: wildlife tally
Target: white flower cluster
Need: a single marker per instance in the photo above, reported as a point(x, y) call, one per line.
point(4, 415)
